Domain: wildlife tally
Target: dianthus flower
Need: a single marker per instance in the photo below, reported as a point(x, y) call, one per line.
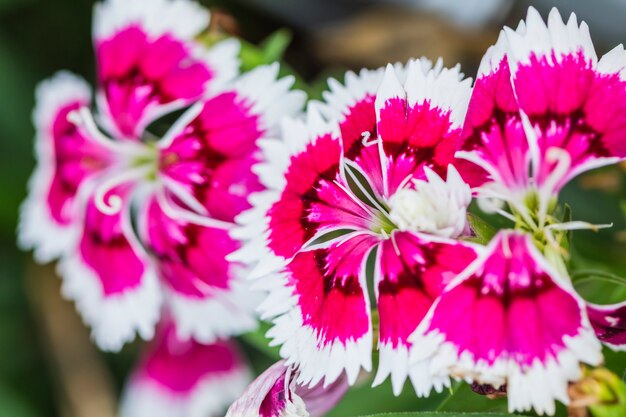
point(365, 180)
point(544, 109)
point(276, 393)
point(135, 217)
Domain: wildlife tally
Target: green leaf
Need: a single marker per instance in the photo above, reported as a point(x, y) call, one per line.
point(269, 51)
point(13, 405)
point(275, 45)
point(483, 231)
point(439, 414)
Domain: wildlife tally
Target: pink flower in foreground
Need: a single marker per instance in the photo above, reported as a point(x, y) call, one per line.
point(367, 179)
point(184, 378)
point(543, 110)
point(275, 393)
point(138, 219)
point(510, 318)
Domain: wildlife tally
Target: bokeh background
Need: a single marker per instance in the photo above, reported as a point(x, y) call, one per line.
point(48, 366)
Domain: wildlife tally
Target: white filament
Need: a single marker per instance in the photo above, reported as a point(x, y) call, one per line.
point(83, 118)
point(186, 216)
point(563, 162)
point(112, 204)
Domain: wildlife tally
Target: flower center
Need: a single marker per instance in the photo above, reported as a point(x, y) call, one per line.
point(432, 206)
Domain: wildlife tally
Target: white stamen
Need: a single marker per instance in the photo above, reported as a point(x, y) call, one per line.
point(506, 248)
point(563, 162)
point(179, 191)
point(178, 126)
point(578, 225)
point(112, 204)
point(367, 140)
point(83, 118)
point(185, 216)
point(405, 181)
point(433, 206)
point(491, 201)
point(395, 245)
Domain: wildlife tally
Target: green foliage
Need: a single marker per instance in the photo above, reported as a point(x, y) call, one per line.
point(483, 231)
point(13, 405)
point(270, 50)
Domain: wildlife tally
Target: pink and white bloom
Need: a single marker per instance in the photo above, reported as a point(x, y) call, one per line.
point(184, 378)
point(365, 179)
point(276, 393)
point(136, 219)
point(509, 318)
point(544, 109)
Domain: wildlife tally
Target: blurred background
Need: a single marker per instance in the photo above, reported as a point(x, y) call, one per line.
point(48, 366)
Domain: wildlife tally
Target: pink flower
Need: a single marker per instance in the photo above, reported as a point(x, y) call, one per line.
point(365, 180)
point(184, 378)
point(543, 110)
point(140, 219)
point(509, 318)
point(275, 393)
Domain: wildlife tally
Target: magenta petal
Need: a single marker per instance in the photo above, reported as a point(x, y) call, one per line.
point(575, 108)
point(276, 392)
point(322, 310)
point(140, 74)
point(609, 323)
point(212, 157)
point(66, 158)
point(184, 378)
point(419, 122)
point(493, 134)
point(315, 200)
point(110, 277)
point(509, 318)
point(415, 137)
point(207, 294)
point(412, 271)
point(359, 120)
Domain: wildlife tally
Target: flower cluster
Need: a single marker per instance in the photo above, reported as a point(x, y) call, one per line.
point(370, 192)
point(139, 209)
point(187, 181)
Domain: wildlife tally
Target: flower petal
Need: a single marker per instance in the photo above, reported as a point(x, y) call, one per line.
point(207, 294)
point(184, 378)
point(509, 318)
point(149, 62)
point(212, 155)
point(493, 134)
point(609, 323)
point(571, 105)
point(352, 105)
point(419, 123)
point(322, 310)
point(411, 272)
point(307, 197)
point(110, 277)
point(275, 393)
point(544, 108)
point(66, 158)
